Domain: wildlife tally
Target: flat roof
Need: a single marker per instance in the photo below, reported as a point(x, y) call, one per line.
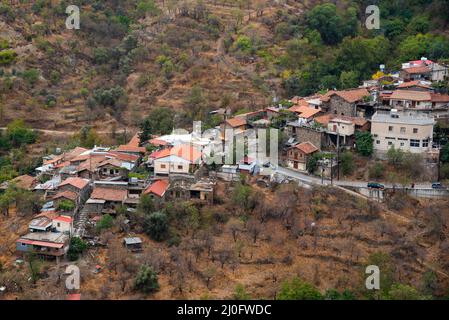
point(403, 117)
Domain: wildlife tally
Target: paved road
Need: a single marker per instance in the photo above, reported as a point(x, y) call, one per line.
point(343, 183)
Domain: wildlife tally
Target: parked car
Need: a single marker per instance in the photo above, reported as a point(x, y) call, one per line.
point(437, 185)
point(375, 185)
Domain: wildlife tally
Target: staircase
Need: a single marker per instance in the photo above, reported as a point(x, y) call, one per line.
point(79, 223)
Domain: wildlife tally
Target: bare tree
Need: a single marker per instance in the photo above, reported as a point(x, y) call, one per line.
point(235, 226)
point(254, 228)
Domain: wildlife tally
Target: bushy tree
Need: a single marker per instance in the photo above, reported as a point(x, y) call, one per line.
point(66, 205)
point(156, 226)
point(146, 280)
point(77, 247)
point(159, 122)
point(19, 134)
point(364, 143)
point(106, 222)
point(347, 163)
point(297, 289)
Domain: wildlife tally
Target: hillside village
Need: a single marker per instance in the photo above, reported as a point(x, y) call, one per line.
point(105, 167)
point(82, 189)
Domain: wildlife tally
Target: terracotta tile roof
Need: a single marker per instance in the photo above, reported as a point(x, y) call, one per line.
point(353, 95)
point(123, 156)
point(135, 141)
point(54, 160)
point(91, 164)
point(185, 151)
point(436, 97)
point(62, 164)
point(305, 111)
point(66, 194)
point(82, 157)
point(158, 188)
point(350, 95)
point(415, 83)
point(74, 153)
point(160, 154)
point(41, 243)
point(109, 194)
point(326, 97)
point(78, 183)
point(306, 147)
point(113, 162)
point(49, 214)
point(411, 95)
point(417, 70)
point(236, 122)
point(24, 182)
point(157, 142)
point(324, 119)
point(130, 148)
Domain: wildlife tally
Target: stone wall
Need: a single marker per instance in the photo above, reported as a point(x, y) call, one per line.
point(315, 136)
point(340, 107)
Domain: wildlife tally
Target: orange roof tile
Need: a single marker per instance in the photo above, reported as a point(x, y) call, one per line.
point(90, 164)
point(158, 188)
point(305, 112)
point(130, 148)
point(411, 95)
point(306, 147)
point(160, 154)
point(185, 151)
point(74, 153)
point(416, 83)
point(352, 95)
point(236, 122)
point(109, 194)
point(437, 97)
point(417, 70)
point(324, 119)
point(66, 194)
point(123, 156)
point(78, 183)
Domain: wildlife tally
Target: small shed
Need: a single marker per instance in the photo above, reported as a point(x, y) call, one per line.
point(134, 244)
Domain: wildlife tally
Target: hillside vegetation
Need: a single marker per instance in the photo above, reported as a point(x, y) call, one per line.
point(195, 56)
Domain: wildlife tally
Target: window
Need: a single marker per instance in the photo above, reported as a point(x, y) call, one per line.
point(414, 143)
point(402, 144)
point(390, 128)
point(425, 143)
point(415, 130)
point(179, 167)
point(59, 224)
point(390, 143)
point(377, 141)
point(163, 166)
point(402, 129)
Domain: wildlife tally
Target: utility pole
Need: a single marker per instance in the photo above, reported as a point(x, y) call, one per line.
point(332, 169)
point(338, 154)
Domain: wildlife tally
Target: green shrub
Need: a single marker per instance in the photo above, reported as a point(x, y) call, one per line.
point(7, 57)
point(146, 280)
point(106, 222)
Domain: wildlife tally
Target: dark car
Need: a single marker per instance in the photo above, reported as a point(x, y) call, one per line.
point(437, 185)
point(375, 185)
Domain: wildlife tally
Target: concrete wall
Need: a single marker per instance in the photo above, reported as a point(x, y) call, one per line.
point(401, 138)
